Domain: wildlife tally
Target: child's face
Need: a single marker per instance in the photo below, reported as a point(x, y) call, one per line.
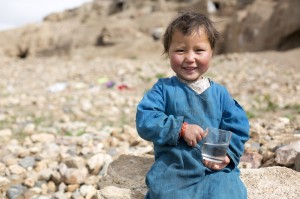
point(190, 55)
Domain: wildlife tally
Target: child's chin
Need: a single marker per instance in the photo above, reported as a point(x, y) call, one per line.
point(191, 78)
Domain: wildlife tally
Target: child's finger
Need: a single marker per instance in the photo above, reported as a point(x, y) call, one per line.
point(204, 133)
point(216, 166)
point(198, 137)
point(226, 160)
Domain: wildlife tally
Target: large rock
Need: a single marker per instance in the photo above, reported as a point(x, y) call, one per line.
point(128, 173)
point(264, 25)
point(287, 154)
point(271, 182)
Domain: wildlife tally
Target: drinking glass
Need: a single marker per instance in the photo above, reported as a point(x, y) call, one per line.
point(215, 144)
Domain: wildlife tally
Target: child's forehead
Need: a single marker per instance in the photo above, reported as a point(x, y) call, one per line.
point(197, 31)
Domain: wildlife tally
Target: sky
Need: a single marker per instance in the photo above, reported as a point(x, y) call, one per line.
point(14, 13)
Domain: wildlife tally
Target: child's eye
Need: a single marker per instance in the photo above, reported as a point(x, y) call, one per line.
point(179, 50)
point(199, 50)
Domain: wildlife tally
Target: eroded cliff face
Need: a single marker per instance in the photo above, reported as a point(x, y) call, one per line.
point(104, 26)
point(264, 25)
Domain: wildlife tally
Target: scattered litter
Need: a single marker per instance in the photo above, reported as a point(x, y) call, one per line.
point(110, 84)
point(122, 87)
point(102, 80)
point(57, 87)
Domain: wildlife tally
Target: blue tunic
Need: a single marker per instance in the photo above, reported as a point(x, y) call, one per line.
point(178, 171)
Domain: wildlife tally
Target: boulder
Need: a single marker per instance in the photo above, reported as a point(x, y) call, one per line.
point(271, 182)
point(128, 173)
point(264, 25)
point(297, 162)
point(286, 155)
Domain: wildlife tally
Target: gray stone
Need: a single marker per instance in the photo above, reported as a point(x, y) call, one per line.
point(111, 192)
point(29, 128)
point(15, 191)
point(75, 176)
point(45, 174)
point(17, 169)
point(5, 134)
point(27, 162)
point(42, 137)
point(87, 191)
point(59, 195)
point(4, 181)
point(297, 162)
point(286, 155)
point(120, 173)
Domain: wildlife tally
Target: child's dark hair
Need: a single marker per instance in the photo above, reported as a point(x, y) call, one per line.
point(189, 22)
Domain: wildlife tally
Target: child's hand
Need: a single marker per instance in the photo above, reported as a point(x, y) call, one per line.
point(216, 166)
point(193, 134)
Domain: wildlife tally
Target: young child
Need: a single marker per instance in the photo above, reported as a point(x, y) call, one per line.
point(174, 113)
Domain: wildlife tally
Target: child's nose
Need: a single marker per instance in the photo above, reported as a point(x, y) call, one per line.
point(190, 56)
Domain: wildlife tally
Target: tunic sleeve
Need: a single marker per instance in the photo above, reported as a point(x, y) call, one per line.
point(235, 120)
point(151, 121)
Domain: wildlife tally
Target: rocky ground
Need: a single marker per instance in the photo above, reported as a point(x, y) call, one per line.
point(63, 120)
point(69, 88)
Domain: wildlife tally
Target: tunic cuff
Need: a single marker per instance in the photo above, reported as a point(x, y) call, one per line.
point(233, 160)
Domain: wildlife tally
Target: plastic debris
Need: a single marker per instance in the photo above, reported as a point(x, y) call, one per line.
point(122, 87)
point(57, 87)
point(102, 80)
point(109, 84)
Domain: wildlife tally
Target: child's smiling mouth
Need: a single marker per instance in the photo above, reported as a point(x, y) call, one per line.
point(189, 68)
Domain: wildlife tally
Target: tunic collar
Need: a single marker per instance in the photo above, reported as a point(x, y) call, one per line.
point(199, 86)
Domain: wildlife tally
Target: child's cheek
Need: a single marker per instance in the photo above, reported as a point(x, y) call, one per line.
point(175, 60)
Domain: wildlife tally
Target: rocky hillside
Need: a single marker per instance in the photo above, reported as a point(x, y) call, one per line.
point(102, 26)
point(70, 86)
